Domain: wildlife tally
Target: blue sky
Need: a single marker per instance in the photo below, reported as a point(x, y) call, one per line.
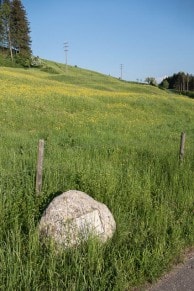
point(151, 38)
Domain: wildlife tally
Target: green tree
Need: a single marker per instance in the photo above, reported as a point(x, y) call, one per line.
point(187, 81)
point(5, 32)
point(180, 82)
point(165, 84)
point(151, 81)
point(14, 31)
point(20, 32)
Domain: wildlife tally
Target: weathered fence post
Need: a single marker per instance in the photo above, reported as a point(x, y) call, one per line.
point(39, 166)
point(182, 146)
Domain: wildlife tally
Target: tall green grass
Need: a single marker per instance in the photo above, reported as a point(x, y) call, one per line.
point(123, 151)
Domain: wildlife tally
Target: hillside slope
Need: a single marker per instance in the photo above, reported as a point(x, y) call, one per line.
point(128, 111)
point(115, 140)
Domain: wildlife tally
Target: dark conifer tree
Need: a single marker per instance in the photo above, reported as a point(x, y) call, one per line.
point(20, 31)
point(5, 32)
point(1, 25)
point(180, 82)
point(14, 31)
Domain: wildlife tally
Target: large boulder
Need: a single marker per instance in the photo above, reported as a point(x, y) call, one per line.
point(74, 216)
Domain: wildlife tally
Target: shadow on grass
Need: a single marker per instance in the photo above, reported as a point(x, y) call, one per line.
point(43, 204)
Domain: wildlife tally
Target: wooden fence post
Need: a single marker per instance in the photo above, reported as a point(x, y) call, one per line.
point(182, 146)
point(39, 167)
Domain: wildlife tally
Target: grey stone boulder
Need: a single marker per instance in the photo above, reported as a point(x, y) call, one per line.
point(74, 216)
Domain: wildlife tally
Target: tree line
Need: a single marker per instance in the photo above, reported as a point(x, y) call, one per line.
point(15, 38)
point(181, 82)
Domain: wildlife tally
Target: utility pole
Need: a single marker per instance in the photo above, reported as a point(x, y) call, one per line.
point(66, 46)
point(121, 67)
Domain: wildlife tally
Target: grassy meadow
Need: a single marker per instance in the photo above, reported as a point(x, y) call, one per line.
point(118, 142)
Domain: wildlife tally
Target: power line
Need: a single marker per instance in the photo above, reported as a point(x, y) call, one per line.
point(66, 49)
point(121, 67)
